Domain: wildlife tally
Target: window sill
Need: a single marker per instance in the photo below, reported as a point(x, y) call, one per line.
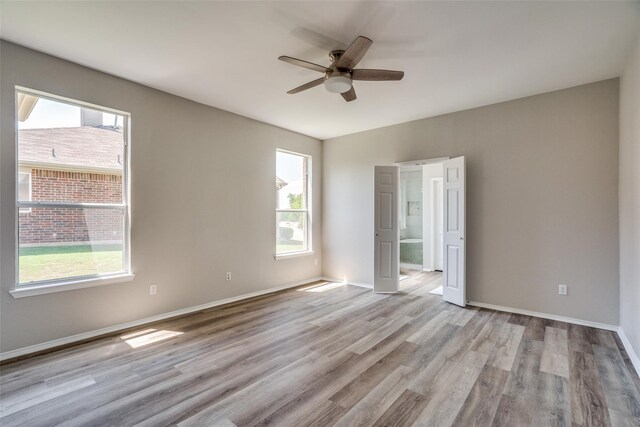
point(292, 255)
point(28, 291)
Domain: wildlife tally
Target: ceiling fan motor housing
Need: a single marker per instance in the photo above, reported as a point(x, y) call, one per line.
point(335, 55)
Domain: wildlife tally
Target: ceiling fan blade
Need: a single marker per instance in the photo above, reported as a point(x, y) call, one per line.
point(350, 95)
point(354, 53)
point(304, 64)
point(306, 86)
point(377, 75)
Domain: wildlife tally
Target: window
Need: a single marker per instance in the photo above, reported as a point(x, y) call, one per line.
point(72, 180)
point(293, 203)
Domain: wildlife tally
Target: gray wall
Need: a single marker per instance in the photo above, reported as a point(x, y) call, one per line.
point(630, 200)
point(542, 198)
point(203, 203)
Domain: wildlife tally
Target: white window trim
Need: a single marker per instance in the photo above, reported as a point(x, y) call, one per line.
point(297, 254)
point(78, 282)
point(308, 210)
point(43, 287)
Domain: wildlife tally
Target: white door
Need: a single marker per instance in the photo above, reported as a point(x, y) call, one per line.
point(437, 224)
point(454, 229)
point(386, 229)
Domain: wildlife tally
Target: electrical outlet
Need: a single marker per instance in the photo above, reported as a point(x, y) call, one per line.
point(316, 261)
point(228, 276)
point(153, 289)
point(562, 289)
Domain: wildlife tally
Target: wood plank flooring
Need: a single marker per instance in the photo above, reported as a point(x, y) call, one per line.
point(331, 354)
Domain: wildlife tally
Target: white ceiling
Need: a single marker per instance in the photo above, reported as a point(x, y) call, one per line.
point(456, 55)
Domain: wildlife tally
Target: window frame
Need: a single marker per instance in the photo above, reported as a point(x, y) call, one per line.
point(307, 210)
point(89, 280)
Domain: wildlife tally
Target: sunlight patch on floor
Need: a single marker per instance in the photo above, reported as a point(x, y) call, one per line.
point(148, 336)
point(137, 333)
point(436, 291)
point(322, 287)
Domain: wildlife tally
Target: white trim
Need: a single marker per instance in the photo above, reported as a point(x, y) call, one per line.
point(26, 290)
point(412, 168)
point(360, 285)
point(69, 168)
point(110, 329)
point(78, 243)
point(70, 101)
point(295, 153)
point(292, 255)
point(545, 316)
point(422, 162)
point(72, 205)
point(635, 360)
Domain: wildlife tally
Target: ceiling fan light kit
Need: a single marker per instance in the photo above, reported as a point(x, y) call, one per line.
point(338, 82)
point(339, 76)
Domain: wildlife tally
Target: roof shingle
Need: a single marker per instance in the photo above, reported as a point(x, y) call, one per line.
point(77, 147)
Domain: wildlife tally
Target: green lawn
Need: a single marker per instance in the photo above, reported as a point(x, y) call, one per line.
point(55, 262)
point(289, 246)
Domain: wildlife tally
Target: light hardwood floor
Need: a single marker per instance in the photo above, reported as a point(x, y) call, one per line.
point(332, 354)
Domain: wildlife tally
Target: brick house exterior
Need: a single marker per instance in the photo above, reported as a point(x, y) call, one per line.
point(72, 165)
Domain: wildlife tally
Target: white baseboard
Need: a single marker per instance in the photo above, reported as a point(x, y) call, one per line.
point(581, 322)
point(110, 329)
point(362, 285)
point(635, 360)
point(545, 316)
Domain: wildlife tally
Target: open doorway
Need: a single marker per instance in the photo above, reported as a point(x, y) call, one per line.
point(420, 219)
point(419, 225)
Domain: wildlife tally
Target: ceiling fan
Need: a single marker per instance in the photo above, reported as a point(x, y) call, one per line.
point(339, 76)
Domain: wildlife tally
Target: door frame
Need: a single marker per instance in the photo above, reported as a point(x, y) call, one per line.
point(443, 160)
point(421, 162)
